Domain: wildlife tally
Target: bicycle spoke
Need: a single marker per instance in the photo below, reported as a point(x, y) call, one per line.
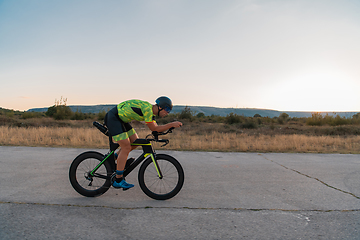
point(168, 181)
point(85, 168)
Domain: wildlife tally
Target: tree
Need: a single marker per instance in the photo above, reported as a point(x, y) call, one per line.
point(315, 120)
point(59, 111)
point(186, 113)
point(200, 115)
point(284, 117)
point(233, 118)
point(51, 111)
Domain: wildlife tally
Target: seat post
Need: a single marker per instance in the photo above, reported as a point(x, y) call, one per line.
point(113, 146)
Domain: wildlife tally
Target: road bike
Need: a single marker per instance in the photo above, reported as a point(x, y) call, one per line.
point(160, 176)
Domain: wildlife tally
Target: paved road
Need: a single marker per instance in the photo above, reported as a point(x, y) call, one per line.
point(225, 196)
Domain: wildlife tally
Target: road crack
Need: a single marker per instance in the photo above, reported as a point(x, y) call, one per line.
point(180, 208)
point(308, 176)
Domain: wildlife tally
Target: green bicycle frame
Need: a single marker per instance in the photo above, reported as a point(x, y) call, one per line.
point(101, 163)
point(148, 151)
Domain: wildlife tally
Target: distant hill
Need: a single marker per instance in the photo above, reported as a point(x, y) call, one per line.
point(80, 108)
point(208, 111)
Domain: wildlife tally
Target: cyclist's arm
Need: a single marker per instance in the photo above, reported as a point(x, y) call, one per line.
point(161, 128)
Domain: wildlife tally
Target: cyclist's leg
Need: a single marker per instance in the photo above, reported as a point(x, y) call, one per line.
point(125, 149)
point(124, 140)
point(125, 146)
point(132, 139)
point(122, 133)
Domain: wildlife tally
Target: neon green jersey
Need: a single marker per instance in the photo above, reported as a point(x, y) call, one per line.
point(135, 110)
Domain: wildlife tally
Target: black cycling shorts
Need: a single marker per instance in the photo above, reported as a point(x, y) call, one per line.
point(117, 128)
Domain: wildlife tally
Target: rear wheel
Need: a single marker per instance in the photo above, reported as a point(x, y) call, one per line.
point(83, 182)
point(161, 188)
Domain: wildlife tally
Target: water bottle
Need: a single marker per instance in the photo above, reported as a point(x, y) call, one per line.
point(101, 127)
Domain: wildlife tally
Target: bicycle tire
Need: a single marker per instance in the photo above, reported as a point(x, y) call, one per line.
point(79, 174)
point(169, 185)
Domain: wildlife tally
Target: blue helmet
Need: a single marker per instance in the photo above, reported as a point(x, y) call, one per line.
point(165, 103)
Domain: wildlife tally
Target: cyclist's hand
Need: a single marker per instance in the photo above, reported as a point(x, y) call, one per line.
point(176, 124)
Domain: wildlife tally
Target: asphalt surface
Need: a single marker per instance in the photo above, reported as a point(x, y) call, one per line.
point(225, 196)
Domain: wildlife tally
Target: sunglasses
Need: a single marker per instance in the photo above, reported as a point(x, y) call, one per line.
point(167, 109)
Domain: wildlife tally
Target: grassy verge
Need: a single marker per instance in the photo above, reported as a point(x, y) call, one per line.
point(208, 137)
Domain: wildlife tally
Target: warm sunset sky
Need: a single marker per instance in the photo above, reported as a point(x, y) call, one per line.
point(287, 55)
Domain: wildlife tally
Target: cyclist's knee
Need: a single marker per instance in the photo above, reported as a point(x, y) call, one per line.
point(133, 137)
point(125, 145)
point(126, 148)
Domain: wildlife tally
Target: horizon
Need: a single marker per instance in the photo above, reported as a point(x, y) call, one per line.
point(299, 55)
point(180, 105)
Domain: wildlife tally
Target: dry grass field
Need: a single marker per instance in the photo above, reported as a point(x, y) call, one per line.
point(194, 137)
point(60, 127)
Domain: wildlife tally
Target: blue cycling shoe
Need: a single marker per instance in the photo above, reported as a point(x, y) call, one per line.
point(123, 184)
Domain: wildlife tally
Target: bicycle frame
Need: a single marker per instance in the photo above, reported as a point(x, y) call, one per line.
point(92, 173)
point(147, 151)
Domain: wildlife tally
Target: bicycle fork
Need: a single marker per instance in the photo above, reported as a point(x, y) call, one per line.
point(158, 170)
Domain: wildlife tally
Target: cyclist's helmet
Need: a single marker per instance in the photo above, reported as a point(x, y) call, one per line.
point(165, 103)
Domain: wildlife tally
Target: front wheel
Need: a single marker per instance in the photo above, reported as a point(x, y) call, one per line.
point(90, 185)
point(161, 188)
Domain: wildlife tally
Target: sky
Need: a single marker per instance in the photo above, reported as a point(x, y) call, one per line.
point(287, 55)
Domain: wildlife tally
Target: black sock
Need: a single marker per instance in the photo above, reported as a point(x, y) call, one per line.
point(119, 179)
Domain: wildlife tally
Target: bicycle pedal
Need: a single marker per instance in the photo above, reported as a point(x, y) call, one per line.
point(125, 189)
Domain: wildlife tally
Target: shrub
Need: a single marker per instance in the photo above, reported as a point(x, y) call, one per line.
point(78, 115)
point(101, 115)
point(318, 120)
point(284, 117)
point(59, 111)
point(315, 120)
point(186, 114)
point(200, 115)
point(250, 124)
point(355, 119)
point(215, 119)
point(259, 120)
point(51, 111)
point(62, 112)
point(27, 115)
point(233, 119)
point(10, 114)
point(339, 121)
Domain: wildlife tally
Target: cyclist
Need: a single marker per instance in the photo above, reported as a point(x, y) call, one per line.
point(118, 122)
